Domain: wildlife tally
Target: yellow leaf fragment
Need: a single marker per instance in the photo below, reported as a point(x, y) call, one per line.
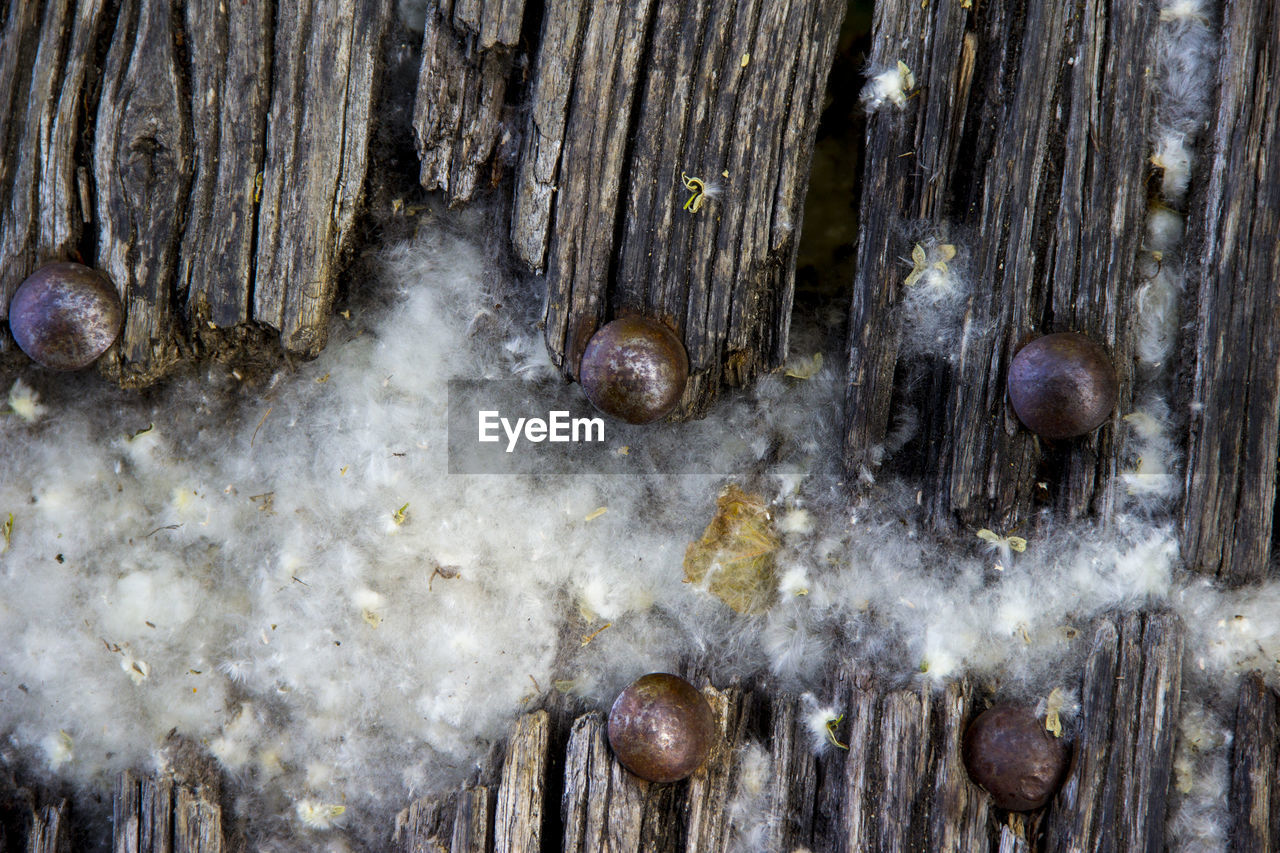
point(1053, 708)
point(919, 264)
point(804, 367)
point(400, 515)
point(1013, 543)
point(908, 79)
point(735, 558)
point(596, 513)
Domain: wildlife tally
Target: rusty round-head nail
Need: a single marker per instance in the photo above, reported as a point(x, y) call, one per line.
point(65, 315)
point(1062, 385)
point(1008, 751)
point(661, 727)
point(634, 369)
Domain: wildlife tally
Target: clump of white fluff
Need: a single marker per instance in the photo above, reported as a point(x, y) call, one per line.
point(1198, 817)
point(891, 85)
point(933, 297)
point(749, 809)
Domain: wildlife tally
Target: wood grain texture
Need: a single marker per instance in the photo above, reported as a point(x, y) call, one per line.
point(230, 91)
point(627, 96)
point(1115, 798)
point(51, 830)
point(959, 809)
point(1049, 239)
point(142, 169)
point(325, 65)
point(46, 53)
point(519, 811)
point(427, 825)
point(459, 119)
point(712, 786)
point(159, 816)
point(1255, 778)
point(1233, 276)
point(456, 822)
point(227, 148)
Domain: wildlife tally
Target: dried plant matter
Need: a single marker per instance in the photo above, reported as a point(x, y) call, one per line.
point(734, 559)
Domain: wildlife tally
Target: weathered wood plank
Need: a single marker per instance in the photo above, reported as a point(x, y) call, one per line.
point(324, 71)
point(142, 171)
point(208, 213)
point(603, 804)
point(427, 826)
point(1255, 782)
point(462, 87)
point(471, 820)
point(712, 786)
point(861, 719)
point(230, 89)
point(958, 809)
point(792, 777)
point(519, 810)
point(1115, 796)
point(50, 830)
point(543, 140)
point(457, 822)
point(599, 192)
point(909, 161)
point(1233, 274)
point(159, 816)
point(197, 825)
point(1059, 236)
point(902, 772)
point(46, 54)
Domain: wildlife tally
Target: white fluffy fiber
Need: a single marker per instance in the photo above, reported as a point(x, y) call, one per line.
point(226, 563)
point(890, 85)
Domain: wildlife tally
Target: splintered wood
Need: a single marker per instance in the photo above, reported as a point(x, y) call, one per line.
point(628, 99)
point(1001, 156)
point(901, 785)
point(226, 159)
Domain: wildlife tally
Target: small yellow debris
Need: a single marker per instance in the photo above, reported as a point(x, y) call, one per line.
point(1013, 543)
point(322, 379)
point(596, 513)
point(746, 60)
point(734, 560)
point(832, 725)
point(1053, 708)
point(624, 450)
point(908, 79)
point(342, 472)
point(586, 638)
point(400, 515)
point(6, 533)
point(804, 367)
point(919, 264)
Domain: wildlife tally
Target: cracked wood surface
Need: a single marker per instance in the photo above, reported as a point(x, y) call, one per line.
point(998, 151)
point(1233, 280)
point(626, 98)
point(212, 162)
